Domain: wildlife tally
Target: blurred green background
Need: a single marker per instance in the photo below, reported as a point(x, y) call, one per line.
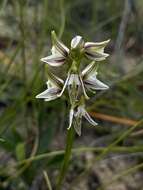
point(30, 127)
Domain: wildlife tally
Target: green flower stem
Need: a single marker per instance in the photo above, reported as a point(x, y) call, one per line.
point(68, 150)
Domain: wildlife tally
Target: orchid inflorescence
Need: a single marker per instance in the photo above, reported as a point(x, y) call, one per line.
point(78, 81)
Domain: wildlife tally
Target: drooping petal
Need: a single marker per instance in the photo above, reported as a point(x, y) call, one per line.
point(59, 46)
point(49, 93)
point(81, 112)
point(89, 119)
point(95, 84)
point(54, 60)
point(96, 56)
point(77, 42)
point(65, 85)
point(83, 88)
point(71, 118)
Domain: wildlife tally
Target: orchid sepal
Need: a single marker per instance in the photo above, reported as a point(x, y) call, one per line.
point(59, 46)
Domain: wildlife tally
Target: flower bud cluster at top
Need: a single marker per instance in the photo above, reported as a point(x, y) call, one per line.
point(77, 82)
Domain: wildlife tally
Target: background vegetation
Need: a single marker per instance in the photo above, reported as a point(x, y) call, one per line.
point(32, 132)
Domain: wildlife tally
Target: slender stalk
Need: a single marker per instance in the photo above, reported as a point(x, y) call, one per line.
point(68, 150)
point(47, 180)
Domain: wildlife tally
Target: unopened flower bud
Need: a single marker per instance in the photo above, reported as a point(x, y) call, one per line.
point(77, 42)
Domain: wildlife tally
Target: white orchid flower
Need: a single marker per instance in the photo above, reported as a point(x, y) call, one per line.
point(74, 84)
point(75, 118)
point(53, 88)
point(95, 50)
point(90, 80)
point(59, 53)
point(77, 81)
